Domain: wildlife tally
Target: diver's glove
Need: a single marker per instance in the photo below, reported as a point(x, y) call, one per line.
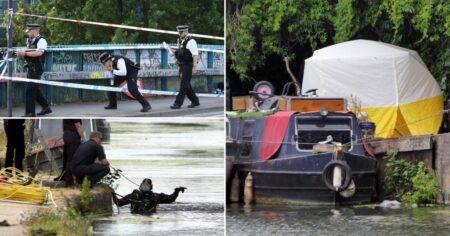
point(180, 189)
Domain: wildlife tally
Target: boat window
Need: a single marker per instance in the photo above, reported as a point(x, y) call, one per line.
point(314, 129)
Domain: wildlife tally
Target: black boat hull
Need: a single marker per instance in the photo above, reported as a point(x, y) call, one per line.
point(299, 180)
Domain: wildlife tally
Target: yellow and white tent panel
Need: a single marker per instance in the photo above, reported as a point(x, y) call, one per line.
point(395, 87)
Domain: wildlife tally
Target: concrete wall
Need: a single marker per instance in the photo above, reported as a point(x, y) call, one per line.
point(443, 166)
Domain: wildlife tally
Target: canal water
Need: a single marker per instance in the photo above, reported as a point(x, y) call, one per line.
point(172, 152)
point(356, 220)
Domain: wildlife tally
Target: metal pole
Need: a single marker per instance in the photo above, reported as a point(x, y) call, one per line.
point(9, 90)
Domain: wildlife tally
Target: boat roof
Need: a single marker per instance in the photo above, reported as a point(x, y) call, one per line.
point(261, 114)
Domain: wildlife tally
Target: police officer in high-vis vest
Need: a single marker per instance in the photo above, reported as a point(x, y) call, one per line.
point(35, 61)
point(187, 58)
point(123, 69)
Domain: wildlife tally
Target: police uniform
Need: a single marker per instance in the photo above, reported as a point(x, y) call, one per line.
point(15, 146)
point(124, 69)
point(72, 141)
point(83, 162)
point(187, 48)
point(35, 69)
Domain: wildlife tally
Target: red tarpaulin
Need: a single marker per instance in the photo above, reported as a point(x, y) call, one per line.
point(274, 132)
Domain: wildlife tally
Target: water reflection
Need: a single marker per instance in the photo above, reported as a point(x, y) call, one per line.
point(356, 220)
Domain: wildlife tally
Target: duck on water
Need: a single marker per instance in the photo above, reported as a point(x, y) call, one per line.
point(304, 150)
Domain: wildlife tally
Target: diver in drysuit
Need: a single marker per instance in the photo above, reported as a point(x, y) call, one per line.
point(144, 200)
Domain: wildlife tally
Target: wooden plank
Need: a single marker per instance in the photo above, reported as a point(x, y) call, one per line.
point(242, 103)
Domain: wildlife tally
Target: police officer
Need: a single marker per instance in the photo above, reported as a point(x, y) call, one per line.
point(73, 133)
point(83, 163)
point(144, 200)
point(123, 69)
point(15, 142)
point(187, 58)
point(35, 61)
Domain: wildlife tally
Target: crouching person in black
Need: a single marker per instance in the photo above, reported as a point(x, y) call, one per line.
point(84, 163)
point(144, 200)
point(123, 69)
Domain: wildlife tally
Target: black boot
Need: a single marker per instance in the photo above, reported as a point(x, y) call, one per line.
point(45, 111)
point(146, 108)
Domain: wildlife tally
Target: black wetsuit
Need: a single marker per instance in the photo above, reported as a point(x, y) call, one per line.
point(15, 146)
point(72, 141)
point(83, 162)
point(145, 202)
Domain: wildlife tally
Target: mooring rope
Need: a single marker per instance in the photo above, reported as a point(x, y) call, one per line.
point(117, 26)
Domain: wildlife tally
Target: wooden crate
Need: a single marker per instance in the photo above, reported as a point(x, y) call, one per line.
point(243, 103)
point(311, 104)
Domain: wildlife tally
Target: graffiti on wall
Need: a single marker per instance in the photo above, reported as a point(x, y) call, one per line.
point(65, 61)
point(150, 59)
point(91, 61)
point(72, 65)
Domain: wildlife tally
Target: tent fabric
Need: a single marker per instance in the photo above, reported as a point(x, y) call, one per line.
point(395, 87)
point(274, 131)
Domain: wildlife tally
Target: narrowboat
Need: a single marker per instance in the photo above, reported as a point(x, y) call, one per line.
point(307, 150)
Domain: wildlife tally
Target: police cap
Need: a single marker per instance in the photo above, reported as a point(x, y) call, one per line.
point(182, 28)
point(33, 26)
point(104, 57)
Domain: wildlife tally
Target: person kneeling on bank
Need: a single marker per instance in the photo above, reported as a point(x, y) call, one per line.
point(90, 160)
point(144, 200)
point(123, 69)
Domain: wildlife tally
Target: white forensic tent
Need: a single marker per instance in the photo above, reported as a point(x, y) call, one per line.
point(394, 85)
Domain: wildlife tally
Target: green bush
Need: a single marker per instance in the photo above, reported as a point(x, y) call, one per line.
point(85, 196)
point(399, 174)
point(410, 183)
point(425, 187)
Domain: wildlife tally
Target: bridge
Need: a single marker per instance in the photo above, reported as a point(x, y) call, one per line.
point(80, 64)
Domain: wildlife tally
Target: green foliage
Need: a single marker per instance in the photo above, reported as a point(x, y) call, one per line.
point(259, 29)
point(85, 196)
point(203, 16)
point(399, 174)
point(52, 223)
point(264, 27)
point(425, 187)
point(410, 182)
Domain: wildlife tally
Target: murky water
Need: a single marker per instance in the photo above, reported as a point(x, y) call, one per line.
point(172, 152)
point(356, 220)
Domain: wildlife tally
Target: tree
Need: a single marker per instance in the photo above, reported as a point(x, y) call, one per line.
point(204, 17)
point(262, 34)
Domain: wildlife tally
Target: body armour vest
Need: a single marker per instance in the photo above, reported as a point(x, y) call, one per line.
point(184, 55)
point(36, 63)
point(130, 65)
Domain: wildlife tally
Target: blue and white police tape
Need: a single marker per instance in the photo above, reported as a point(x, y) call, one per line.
point(101, 88)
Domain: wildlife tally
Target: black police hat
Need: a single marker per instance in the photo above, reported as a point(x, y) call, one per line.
point(104, 57)
point(33, 26)
point(182, 28)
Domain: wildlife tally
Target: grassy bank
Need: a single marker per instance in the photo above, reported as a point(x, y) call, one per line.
point(50, 222)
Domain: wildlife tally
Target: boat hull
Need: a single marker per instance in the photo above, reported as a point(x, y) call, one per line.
point(299, 180)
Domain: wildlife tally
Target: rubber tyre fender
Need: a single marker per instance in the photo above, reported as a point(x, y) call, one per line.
point(327, 172)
